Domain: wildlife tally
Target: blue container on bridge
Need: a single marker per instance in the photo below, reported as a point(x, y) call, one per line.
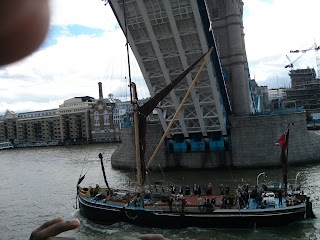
point(179, 146)
point(198, 146)
point(216, 145)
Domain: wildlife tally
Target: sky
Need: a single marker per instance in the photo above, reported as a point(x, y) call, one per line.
point(85, 46)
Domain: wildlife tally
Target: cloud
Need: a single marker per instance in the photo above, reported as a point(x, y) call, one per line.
point(85, 46)
point(28, 106)
point(92, 14)
point(71, 62)
point(272, 29)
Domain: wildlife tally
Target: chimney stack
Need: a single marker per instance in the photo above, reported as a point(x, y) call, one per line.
point(100, 90)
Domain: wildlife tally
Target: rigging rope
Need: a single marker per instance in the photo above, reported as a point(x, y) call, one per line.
point(238, 199)
point(88, 168)
point(162, 173)
point(229, 166)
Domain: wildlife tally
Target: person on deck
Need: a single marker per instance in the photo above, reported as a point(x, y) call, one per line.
point(173, 189)
point(199, 203)
point(170, 203)
point(180, 190)
point(254, 193)
point(259, 199)
point(96, 190)
point(213, 201)
point(199, 190)
point(264, 187)
point(246, 198)
point(177, 203)
point(280, 196)
point(183, 203)
point(221, 189)
point(195, 189)
point(224, 202)
point(205, 204)
point(208, 205)
point(187, 190)
point(227, 190)
point(209, 189)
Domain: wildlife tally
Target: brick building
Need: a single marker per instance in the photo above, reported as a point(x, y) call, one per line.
point(77, 120)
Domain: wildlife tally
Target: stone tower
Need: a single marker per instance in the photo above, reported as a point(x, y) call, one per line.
point(227, 26)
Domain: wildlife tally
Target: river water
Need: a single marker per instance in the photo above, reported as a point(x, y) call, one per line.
point(39, 184)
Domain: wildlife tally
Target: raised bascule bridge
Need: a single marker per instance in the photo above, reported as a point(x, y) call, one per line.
point(166, 37)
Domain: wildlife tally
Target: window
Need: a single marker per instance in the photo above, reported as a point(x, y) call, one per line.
point(106, 117)
point(96, 118)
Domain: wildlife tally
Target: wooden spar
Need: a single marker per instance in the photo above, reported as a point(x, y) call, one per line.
point(127, 45)
point(284, 142)
point(134, 102)
point(103, 171)
point(179, 108)
point(136, 134)
point(285, 165)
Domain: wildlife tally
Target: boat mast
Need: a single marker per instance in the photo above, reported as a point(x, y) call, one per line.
point(283, 142)
point(134, 102)
point(285, 165)
point(136, 134)
point(127, 45)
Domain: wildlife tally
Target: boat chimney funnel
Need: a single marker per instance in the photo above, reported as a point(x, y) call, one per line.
point(100, 90)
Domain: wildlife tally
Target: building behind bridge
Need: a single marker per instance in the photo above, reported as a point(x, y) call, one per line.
point(304, 91)
point(78, 120)
point(303, 94)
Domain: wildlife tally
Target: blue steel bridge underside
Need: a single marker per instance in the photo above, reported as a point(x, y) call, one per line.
point(186, 36)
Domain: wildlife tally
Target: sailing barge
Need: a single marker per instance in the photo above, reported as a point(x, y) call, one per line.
point(107, 206)
point(155, 211)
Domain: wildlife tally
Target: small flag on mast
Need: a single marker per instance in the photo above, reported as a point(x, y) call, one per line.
point(283, 140)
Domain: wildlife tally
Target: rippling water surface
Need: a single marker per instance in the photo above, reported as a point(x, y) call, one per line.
point(39, 184)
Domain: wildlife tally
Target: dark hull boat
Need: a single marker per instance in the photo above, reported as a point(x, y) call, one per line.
point(264, 208)
point(158, 213)
point(260, 208)
point(272, 205)
point(169, 210)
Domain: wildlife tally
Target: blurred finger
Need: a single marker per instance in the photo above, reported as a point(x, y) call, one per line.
point(57, 228)
point(44, 226)
point(60, 238)
point(24, 25)
point(152, 237)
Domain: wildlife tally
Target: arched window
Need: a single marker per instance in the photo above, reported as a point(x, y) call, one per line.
point(96, 118)
point(106, 117)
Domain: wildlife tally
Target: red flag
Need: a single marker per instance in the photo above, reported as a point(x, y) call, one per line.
point(283, 140)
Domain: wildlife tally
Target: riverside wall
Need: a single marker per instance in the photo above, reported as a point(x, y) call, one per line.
point(253, 145)
point(254, 140)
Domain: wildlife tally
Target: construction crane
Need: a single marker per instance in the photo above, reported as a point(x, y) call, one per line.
point(292, 62)
point(314, 47)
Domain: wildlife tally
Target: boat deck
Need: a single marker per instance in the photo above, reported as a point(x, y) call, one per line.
point(191, 204)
